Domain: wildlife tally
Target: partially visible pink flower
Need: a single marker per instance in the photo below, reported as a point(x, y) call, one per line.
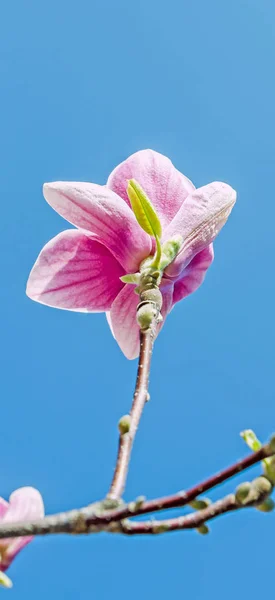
point(24, 504)
point(80, 269)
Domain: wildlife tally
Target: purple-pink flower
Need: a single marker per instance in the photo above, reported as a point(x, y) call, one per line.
point(80, 269)
point(24, 504)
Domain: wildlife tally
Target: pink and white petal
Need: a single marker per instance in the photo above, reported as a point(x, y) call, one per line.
point(166, 187)
point(100, 211)
point(167, 289)
point(25, 504)
point(123, 321)
point(75, 271)
point(194, 274)
point(199, 221)
point(3, 507)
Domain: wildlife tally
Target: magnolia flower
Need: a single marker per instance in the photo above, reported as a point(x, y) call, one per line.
point(80, 269)
point(24, 504)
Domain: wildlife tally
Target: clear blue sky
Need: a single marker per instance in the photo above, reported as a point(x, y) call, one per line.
point(83, 85)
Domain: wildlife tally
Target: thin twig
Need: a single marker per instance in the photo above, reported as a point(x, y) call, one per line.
point(96, 517)
point(140, 397)
point(182, 498)
point(191, 521)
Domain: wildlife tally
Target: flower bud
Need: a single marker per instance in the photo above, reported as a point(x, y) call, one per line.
point(147, 313)
point(136, 504)
point(200, 504)
point(267, 506)
point(124, 424)
point(152, 295)
point(261, 489)
point(203, 529)
point(254, 493)
point(251, 439)
point(242, 492)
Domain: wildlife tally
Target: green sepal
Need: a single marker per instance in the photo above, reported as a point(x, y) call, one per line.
point(130, 278)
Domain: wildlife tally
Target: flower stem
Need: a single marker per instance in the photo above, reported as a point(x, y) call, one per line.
point(156, 262)
point(139, 400)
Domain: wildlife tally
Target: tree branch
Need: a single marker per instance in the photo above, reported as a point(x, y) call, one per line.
point(182, 498)
point(140, 397)
point(99, 516)
point(246, 495)
point(192, 521)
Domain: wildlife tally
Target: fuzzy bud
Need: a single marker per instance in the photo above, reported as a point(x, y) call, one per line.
point(262, 488)
point(254, 493)
point(149, 278)
point(124, 424)
point(153, 295)
point(146, 314)
point(251, 439)
point(242, 492)
point(200, 504)
point(203, 529)
point(267, 506)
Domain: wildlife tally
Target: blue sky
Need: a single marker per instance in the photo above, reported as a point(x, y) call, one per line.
point(82, 86)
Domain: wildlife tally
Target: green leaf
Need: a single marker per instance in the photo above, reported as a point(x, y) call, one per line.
point(144, 211)
point(251, 440)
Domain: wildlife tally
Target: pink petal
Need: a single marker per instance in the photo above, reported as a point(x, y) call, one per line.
point(167, 290)
point(166, 187)
point(122, 317)
point(76, 272)
point(194, 274)
point(199, 221)
point(25, 504)
point(100, 211)
point(3, 507)
point(123, 323)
